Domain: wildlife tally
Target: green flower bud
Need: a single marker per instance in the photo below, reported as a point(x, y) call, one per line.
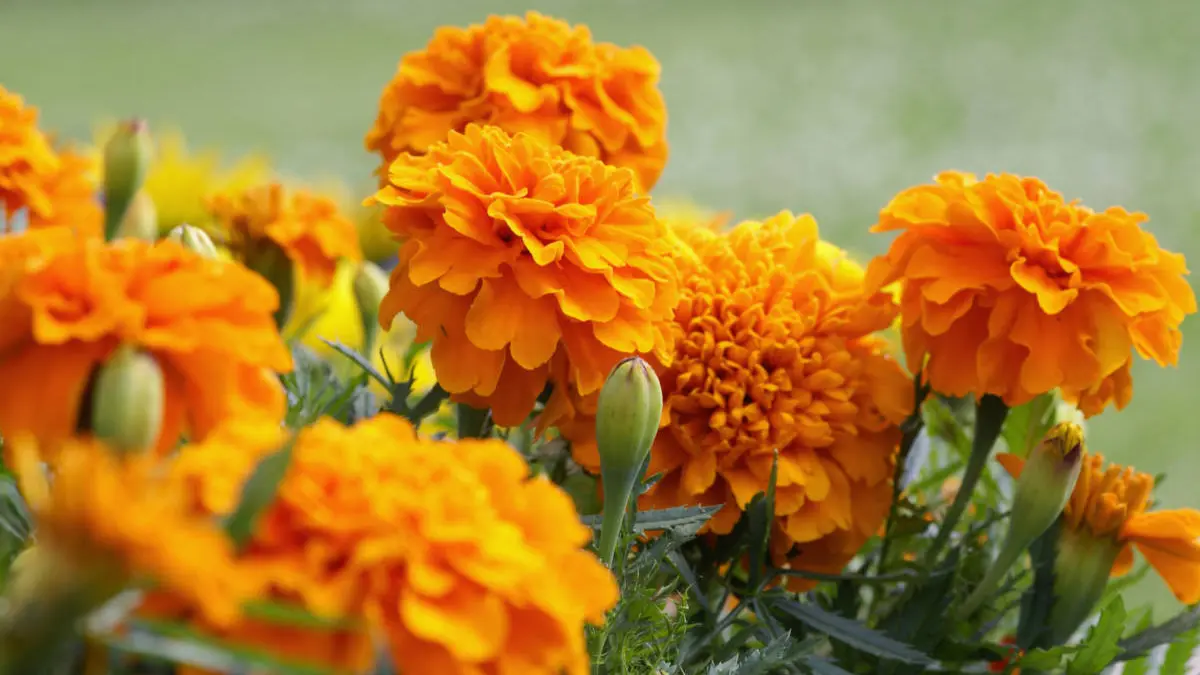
point(194, 239)
point(141, 219)
point(1081, 571)
point(128, 400)
point(1042, 491)
point(627, 418)
point(370, 285)
point(127, 156)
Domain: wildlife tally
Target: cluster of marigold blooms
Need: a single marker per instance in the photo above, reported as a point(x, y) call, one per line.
point(517, 156)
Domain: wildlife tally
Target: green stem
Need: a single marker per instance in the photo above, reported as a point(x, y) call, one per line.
point(616, 504)
point(114, 213)
point(473, 422)
point(989, 419)
point(911, 429)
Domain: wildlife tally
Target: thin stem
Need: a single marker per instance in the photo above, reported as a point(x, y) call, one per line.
point(911, 430)
point(473, 422)
point(989, 419)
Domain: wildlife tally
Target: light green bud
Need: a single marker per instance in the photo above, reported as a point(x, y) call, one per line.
point(194, 239)
point(370, 285)
point(128, 400)
point(127, 157)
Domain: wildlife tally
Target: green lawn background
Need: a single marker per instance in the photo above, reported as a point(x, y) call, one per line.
point(818, 106)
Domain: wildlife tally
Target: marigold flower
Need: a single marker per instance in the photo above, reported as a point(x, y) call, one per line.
point(66, 304)
point(52, 188)
point(1111, 504)
point(119, 513)
point(774, 351)
point(536, 75)
point(524, 263)
point(451, 551)
point(308, 227)
point(1010, 290)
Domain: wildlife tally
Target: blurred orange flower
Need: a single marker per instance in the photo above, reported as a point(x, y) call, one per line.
point(119, 521)
point(524, 263)
point(1012, 291)
point(1111, 505)
point(66, 304)
point(775, 351)
point(536, 75)
point(448, 549)
point(51, 188)
point(309, 228)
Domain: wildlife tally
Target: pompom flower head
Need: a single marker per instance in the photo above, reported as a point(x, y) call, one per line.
point(66, 305)
point(118, 520)
point(1010, 290)
point(775, 351)
point(450, 551)
point(525, 263)
point(536, 75)
point(49, 187)
point(308, 227)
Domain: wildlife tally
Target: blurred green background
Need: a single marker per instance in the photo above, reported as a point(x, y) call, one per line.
point(825, 107)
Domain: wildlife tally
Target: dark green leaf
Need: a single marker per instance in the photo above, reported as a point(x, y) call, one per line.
point(1143, 641)
point(760, 514)
point(851, 632)
point(1026, 424)
point(1099, 648)
point(819, 666)
point(283, 614)
point(360, 361)
point(1033, 625)
point(258, 493)
point(15, 522)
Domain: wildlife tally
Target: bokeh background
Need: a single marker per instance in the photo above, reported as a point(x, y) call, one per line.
point(809, 105)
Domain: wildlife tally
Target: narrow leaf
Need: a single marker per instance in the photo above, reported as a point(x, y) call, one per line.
point(1178, 655)
point(284, 614)
point(761, 513)
point(852, 633)
point(819, 666)
point(360, 361)
point(1099, 648)
point(683, 520)
point(1046, 659)
point(1143, 641)
point(258, 493)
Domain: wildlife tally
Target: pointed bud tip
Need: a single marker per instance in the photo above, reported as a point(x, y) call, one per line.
point(1065, 441)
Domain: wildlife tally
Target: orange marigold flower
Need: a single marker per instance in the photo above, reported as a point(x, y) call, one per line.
point(120, 516)
point(775, 351)
point(450, 550)
point(1012, 291)
point(309, 228)
point(536, 75)
point(66, 304)
point(1111, 506)
point(51, 188)
point(524, 263)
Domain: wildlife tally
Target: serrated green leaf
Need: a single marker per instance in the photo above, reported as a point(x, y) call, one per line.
point(257, 494)
point(1046, 659)
point(819, 666)
point(1099, 648)
point(1137, 667)
point(1143, 641)
point(1177, 656)
point(852, 633)
point(684, 521)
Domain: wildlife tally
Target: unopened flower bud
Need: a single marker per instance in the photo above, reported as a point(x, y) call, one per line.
point(126, 158)
point(128, 400)
point(194, 239)
point(141, 219)
point(370, 285)
point(1042, 491)
point(627, 420)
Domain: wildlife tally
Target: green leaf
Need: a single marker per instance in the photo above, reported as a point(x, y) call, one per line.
point(1099, 648)
point(760, 513)
point(1175, 661)
point(359, 360)
point(1140, 667)
point(177, 643)
point(684, 521)
point(285, 614)
point(16, 525)
point(1143, 641)
point(852, 633)
point(258, 493)
point(1046, 659)
point(819, 666)
point(1034, 624)
point(1028, 423)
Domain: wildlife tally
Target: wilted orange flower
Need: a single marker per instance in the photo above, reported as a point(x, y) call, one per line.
point(1012, 291)
point(774, 351)
point(121, 517)
point(51, 188)
point(309, 228)
point(1110, 504)
point(66, 304)
point(449, 550)
point(524, 263)
point(535, 75)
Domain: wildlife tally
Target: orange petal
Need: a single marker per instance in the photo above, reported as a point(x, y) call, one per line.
point(1123, 563)
point(1011, 463)
point(1177, 562)
point(1181, 524)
